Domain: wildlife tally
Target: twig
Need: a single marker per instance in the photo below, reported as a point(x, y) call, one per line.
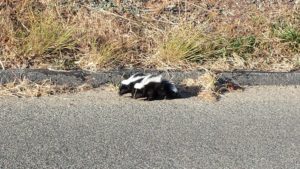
point(2, 65)
point(24, 27)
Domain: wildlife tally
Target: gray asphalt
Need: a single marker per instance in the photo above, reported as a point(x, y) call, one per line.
point(257, 128)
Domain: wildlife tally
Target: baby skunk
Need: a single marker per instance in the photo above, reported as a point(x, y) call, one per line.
point(127, 86)
point(154, 87)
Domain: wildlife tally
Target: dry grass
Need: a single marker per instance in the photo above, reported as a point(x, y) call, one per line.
point(209, 86)
point(181, 45)
point(111, 87)
point(34, 35)
point(25, 88)
point(208, 81)
point(101, 56)
point(47, 36)
point(94, 35)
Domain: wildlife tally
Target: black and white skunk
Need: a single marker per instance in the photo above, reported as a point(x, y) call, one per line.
point(154, 87)
point(127, 86)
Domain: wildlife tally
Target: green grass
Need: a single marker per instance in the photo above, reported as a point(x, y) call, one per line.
point(287, 34)
point(243, 44)
point(105, 54)
point(181, 44)
point(192, 45)
point(48, 36)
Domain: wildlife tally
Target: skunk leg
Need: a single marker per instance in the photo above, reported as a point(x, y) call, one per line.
point(133, 94)
point(150, 94)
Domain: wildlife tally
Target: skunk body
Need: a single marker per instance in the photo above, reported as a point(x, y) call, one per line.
point(169, 89)
point(127, 86)
point(154, 87)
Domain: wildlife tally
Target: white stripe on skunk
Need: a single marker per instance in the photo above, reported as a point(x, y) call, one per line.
point(133, 78)
point(127, 86)
point(147, 80)
point(173, 87)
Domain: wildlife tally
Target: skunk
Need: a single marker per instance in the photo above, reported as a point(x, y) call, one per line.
point(154, 87)
point(127, 86)
point(147, 87)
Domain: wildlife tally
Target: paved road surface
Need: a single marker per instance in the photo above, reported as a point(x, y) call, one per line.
point(258, 128)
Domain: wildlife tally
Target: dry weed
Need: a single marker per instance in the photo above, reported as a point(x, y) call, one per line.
point(25, 88)
point(208, 82)
point(111, 87)
point(209, 86)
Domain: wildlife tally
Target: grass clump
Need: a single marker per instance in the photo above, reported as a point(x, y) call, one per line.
point(100, 56)
point(36, 36)
point(48, 36)
point(187, 44)
point(242, 45)
point(288, 34)
point(181, 44)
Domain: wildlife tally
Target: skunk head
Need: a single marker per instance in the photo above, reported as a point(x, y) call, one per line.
point(128, 84)
point(124, 89)
point(147, 80)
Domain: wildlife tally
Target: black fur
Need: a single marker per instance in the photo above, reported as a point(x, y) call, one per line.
point(152, 91)
point(167, 90)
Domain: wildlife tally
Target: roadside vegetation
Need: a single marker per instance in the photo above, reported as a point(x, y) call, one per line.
point(23, 88)
point(209, 86)
point(162, 34)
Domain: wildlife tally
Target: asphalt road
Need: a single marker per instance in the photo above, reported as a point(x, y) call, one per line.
point(257, 128)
